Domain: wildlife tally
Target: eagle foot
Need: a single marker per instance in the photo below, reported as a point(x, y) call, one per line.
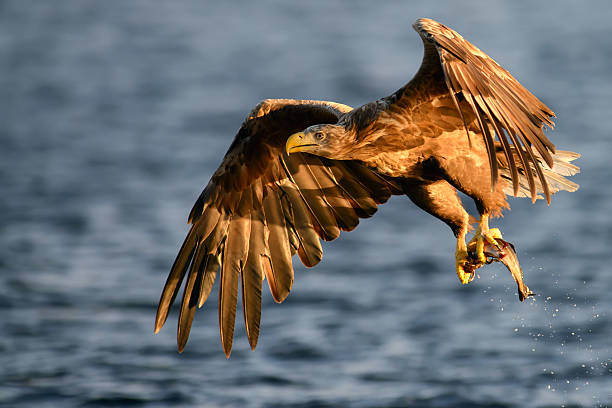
point(485, 237)
point(483, 249)
point(466, 265)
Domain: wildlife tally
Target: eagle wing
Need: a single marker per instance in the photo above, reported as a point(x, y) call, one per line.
point(261, 207)
point(501, 107)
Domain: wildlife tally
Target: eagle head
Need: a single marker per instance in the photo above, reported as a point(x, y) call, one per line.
point(321, 140)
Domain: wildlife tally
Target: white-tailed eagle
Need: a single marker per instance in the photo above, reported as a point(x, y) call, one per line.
point(299, 171)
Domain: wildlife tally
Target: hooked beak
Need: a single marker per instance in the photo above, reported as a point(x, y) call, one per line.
point(299, 142)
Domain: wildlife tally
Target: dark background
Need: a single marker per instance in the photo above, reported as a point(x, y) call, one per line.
point(113, 115)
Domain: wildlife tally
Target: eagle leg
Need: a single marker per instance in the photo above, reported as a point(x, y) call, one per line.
point(440, 199)
point(463, 264)
point(484, 233)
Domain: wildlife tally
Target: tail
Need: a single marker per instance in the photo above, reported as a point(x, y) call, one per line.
point(555, 176)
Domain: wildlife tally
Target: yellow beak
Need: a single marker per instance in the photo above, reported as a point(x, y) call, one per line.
point(299, 142)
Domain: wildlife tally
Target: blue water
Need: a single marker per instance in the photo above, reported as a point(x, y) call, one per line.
point(113, 115)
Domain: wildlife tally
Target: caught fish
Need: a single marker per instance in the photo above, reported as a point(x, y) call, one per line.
point(505, 254)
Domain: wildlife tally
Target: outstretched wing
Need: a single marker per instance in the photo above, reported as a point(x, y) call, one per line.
point(261, 207)
point(500, 106)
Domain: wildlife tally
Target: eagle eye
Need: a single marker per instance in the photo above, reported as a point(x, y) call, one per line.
point(318, 136)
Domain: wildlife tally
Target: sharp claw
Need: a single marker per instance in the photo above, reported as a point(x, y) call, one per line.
point(466, 266)
point(466, 271)
point(460, 262)
point(464, 277)
point(492, 235)
point(483, 238)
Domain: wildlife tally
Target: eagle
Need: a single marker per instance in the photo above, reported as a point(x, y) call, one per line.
point(301, 171)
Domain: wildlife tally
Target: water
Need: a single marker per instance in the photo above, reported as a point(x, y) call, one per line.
point(114, 115)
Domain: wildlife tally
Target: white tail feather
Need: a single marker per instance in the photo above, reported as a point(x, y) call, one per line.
point(555, 177)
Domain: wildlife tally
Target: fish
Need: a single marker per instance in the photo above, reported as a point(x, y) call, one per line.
point(505, 253)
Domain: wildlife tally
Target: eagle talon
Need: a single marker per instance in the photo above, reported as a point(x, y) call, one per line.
point(464, 277)
point(465, 266)
point(484, 236)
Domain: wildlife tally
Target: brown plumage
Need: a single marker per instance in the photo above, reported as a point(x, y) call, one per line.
point(299, 171)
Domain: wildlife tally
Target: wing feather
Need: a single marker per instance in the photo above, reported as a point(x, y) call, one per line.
point(281, 277)
point(253, 274)
point(261, 207)
point(524, 161)
point(190, 297)
point(309, 249)
point(361, 199)
point(503, 109)
point(234, 257)
point(210, 267)
point(323, 218)
point(331, 194)
point(198, 231)
point(490, 107)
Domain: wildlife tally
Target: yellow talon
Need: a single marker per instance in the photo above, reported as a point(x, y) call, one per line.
point(484, 233)
point(462, 263)
point(494, 233)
